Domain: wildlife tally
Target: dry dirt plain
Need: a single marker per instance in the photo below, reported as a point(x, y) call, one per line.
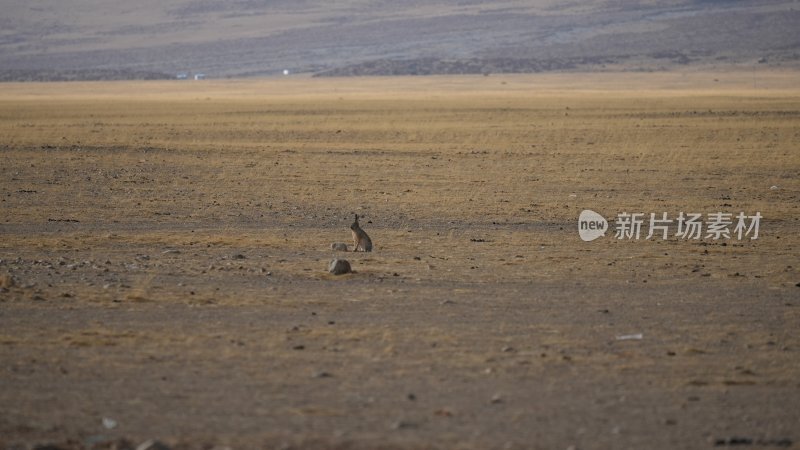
point(163, 254)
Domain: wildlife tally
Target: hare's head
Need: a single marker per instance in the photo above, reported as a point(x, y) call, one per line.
point(355, 226)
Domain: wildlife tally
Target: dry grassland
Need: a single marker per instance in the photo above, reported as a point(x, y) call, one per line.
point(164, 248)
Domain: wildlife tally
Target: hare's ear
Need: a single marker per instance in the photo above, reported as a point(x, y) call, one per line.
point(356, 218)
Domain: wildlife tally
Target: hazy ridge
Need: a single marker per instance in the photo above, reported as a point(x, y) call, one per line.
point(96, 40)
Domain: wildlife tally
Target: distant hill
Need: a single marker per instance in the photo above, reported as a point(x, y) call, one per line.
point(84, 39)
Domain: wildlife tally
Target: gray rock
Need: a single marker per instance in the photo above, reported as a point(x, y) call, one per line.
point(339, 247)
point(109, 423)
point(403, 425)
point(339, 267)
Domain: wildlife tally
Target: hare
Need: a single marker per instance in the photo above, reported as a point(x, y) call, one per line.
point(360, 238)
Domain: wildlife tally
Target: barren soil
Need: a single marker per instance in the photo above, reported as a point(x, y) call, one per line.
point(164, 245)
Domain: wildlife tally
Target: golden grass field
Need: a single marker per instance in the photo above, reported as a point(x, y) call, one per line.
point(165, 245)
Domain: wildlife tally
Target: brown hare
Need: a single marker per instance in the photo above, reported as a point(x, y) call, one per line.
point(360, 239)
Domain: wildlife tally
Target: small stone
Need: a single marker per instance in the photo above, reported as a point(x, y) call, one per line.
point(171, 252)
point(109, 423)
point(339, 247)
point(322, 374)
point(628, 337)
point(444, 412)
point(496, 399)
point(339, 267)
point(403, 425)
point(239, 256)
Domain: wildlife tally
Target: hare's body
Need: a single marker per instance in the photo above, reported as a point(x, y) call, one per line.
point(360, 239)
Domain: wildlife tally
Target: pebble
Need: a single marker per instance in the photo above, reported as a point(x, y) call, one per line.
point(109, 423)
point(339, 247)
point(627, 337)
point(403, 424)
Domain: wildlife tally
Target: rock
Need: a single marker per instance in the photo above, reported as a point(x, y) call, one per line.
point(403, 425)
point(339, 247)
point(339, 267)
point(627, 337)
point(109, 423)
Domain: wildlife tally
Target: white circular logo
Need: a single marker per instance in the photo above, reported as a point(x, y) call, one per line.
point(591, 225)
